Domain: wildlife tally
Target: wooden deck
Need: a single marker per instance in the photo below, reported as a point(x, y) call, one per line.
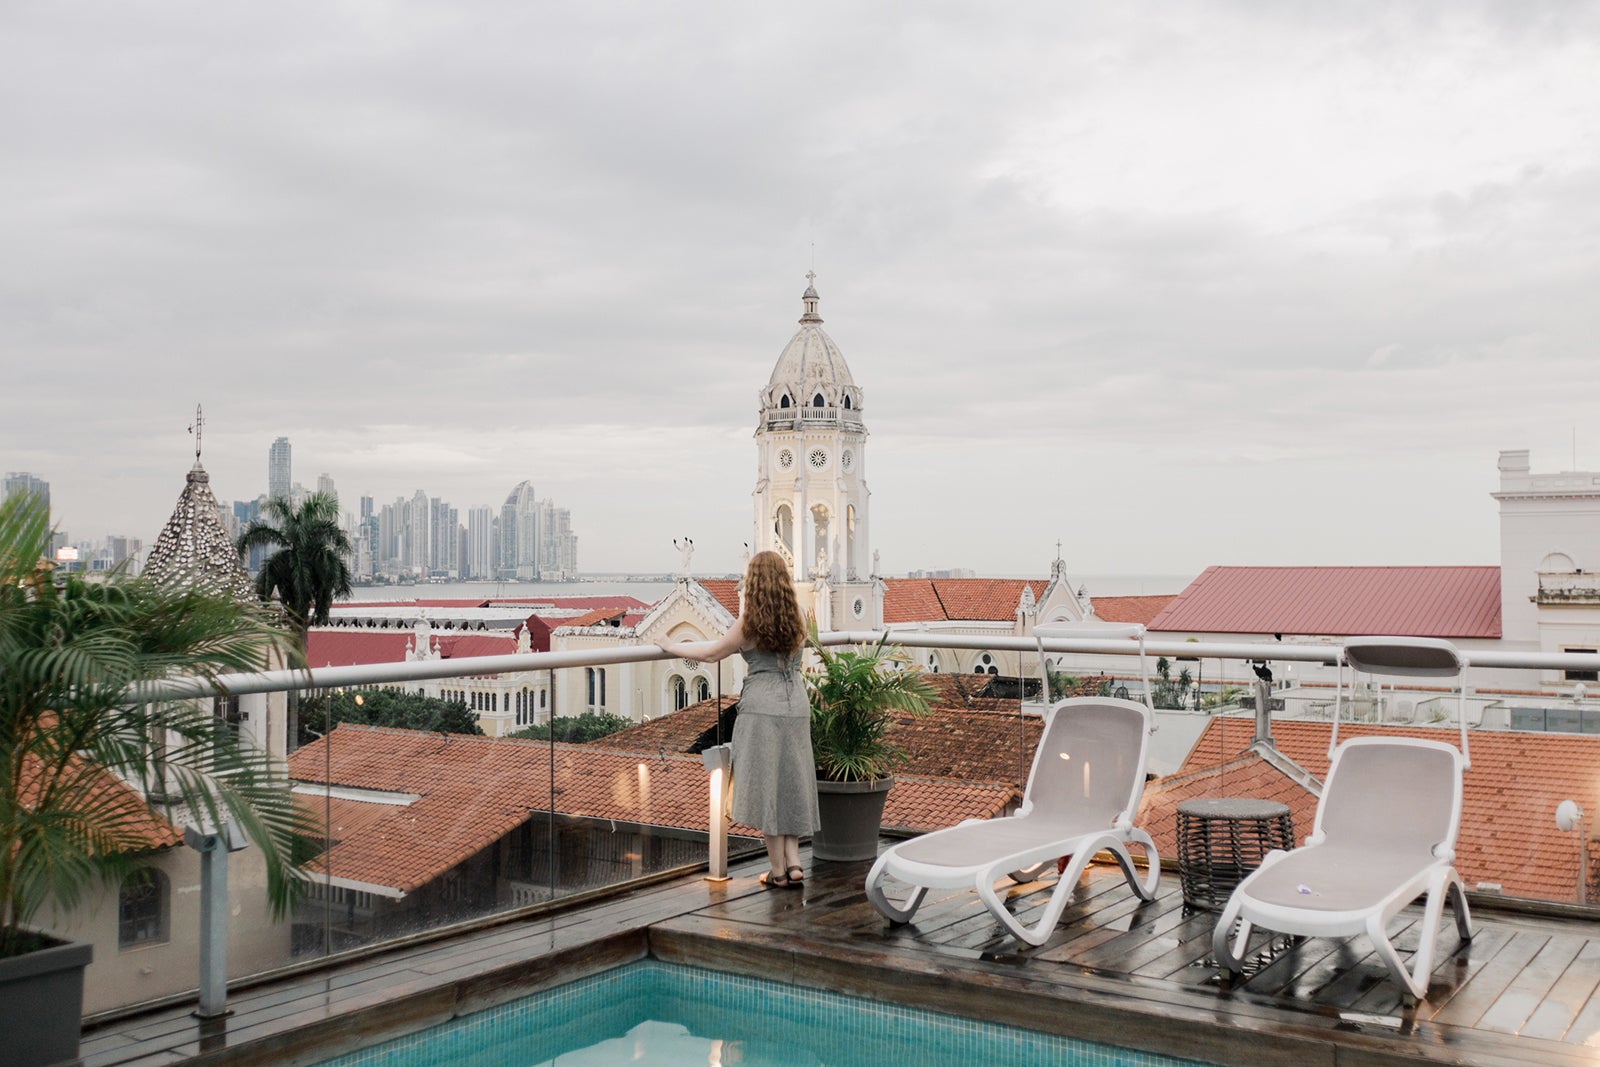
point(1116, 970)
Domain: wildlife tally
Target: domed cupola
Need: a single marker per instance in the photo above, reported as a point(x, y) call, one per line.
point(811, 374)
point(811, 483)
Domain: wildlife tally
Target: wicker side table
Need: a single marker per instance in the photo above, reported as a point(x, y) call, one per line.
point(1222, 840)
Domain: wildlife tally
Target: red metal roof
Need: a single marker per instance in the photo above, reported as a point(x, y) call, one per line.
point(345, 648)
point(1339, 602)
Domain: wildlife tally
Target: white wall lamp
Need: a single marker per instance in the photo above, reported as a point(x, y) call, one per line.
point(1569, 817)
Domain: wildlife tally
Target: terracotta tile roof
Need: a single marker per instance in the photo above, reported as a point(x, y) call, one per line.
point(917, 804)
point(956, 599)
point(910, 600)
point(1140, 609)
point(595, 617)
point(968, 737)
point(1339, 601)
point(1246, 776)
point(474, 790)
point(988, 599)
point(138, 827)
point(676, 732)
point(726, 592)
point(1508, 831)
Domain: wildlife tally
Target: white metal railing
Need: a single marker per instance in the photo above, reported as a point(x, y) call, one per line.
point(424, 670)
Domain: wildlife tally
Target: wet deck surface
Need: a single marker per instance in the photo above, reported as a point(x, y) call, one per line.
point(1115, 970)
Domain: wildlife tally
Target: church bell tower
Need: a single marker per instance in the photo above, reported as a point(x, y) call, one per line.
point(811, 462)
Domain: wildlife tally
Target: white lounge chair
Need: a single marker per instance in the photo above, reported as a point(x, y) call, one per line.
point(1385, 834)
point(1082, 794)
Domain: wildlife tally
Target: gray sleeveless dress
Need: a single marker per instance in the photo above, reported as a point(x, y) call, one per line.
point(774, 776)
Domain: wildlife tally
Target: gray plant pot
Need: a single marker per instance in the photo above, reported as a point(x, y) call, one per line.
point(41, 1003)
point(851, 813)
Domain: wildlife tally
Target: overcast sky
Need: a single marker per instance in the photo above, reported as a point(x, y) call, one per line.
point(1178, 284)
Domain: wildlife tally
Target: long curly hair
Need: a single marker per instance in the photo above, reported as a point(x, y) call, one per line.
point(772, 619)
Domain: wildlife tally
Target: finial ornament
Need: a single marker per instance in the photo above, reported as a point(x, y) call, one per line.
point(811, 277)
point(196, 428)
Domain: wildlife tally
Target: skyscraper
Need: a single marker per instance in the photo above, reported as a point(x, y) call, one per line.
point(23, 482)
point(278, 479)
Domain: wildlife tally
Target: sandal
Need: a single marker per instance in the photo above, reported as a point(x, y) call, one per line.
point(796, 875)
point(774, 880)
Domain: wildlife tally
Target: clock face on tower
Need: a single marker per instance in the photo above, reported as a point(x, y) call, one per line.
point(818, 458)
point(847, 460)
point(786, 459)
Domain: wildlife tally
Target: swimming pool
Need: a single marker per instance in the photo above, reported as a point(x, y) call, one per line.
point(665, 1014)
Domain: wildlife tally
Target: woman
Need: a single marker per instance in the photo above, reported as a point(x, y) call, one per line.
point(774, 776)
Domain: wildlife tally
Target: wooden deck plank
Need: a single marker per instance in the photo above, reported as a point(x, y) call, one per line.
point(1562, 1004)
point(1491, 980)
point(1532, 984)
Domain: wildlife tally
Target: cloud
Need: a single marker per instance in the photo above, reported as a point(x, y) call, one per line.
point(1123, 270)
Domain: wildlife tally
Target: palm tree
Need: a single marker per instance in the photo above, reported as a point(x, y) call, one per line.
point(309, 570)
point(71, 654)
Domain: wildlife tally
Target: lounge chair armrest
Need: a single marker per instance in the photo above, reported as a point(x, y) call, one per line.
point(1446, 855)
point(1316, 839)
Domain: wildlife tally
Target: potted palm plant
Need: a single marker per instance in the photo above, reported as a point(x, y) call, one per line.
point(78, 757)
point(855, 696)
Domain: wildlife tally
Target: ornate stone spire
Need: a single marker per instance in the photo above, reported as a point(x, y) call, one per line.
point(194, 550)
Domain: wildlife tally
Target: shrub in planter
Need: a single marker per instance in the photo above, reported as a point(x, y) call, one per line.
point(72, 739)
point(855, 695)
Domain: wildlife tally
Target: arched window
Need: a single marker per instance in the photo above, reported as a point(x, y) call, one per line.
point(142, 908)
point(783, 526)
point(847, 402)
point(542, 695)
point(818, 402)
point(597, 688)
point(680, 693)
point(702, 689)
point(933, 661)
point(985, 664)
point(783, 401)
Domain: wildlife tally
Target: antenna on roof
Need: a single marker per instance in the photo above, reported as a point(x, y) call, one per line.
point(199, 424)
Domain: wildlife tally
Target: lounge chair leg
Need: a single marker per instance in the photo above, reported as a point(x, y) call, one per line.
point(1458, 906)
point(1152, 879)
point(1413, 981)
point(1230, 956)
point(895, 913)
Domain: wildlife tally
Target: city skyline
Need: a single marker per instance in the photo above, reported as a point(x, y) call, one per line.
point(1226, 284)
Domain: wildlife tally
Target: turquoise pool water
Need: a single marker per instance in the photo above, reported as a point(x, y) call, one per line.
point(666, 1015)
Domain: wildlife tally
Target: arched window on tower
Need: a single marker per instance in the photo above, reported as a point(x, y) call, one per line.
point(680, 693)
point(847, 401)
point(783, 527)
point(850, 540)
point(702, 689)
point(818, 402)
point(783, 401)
